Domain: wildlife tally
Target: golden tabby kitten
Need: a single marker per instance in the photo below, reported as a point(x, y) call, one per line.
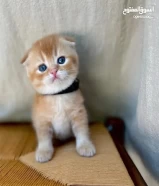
point(52, 66)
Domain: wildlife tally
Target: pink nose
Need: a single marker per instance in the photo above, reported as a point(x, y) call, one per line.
point(53, 71)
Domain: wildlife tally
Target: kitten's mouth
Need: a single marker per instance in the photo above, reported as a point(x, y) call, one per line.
point(54, 79)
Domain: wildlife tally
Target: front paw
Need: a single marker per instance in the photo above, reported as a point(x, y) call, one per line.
point(43, 155)
point(86, 149)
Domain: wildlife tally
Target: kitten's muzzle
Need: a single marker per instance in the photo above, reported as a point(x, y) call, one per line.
point(54, 72)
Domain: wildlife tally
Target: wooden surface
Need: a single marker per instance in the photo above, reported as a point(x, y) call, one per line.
point(15, 173)
point(18, 139)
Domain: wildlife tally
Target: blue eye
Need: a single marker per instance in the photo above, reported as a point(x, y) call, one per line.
point(42, 68)
point(61, 60)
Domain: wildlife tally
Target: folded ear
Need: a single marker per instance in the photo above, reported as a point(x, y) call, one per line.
point(68, 40)
point(25, 57)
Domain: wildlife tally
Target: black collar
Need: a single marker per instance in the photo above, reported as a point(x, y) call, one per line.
point(73, 87)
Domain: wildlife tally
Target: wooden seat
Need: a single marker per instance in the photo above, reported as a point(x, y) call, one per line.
point(18, 140)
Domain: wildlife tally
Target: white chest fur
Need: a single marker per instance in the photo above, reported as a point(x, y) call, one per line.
point(61, 121)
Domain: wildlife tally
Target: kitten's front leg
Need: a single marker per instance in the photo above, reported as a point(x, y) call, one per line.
point(44, 151)
point(84, 145)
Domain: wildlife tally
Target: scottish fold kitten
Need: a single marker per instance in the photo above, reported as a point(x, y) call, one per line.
point(52, 66)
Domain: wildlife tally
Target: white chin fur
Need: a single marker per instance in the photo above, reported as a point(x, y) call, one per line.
point(55, 87)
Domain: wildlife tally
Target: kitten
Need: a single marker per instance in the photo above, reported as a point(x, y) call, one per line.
point(52, 65)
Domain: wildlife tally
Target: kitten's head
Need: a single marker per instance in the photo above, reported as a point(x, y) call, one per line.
point(52, 64)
